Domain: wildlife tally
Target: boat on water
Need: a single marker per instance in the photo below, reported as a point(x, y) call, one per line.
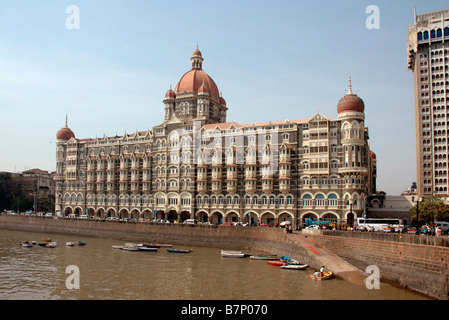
point(295, 266)
point(147, 249)
point(70, 243)
point(51, 244)
point(157, 245)
point(265, 257)
point(117, 247)
point(325, 276)
point(180, 250)
point(28, 244)
point(130, 248)
point(289, 260)
point(232, 254)
point(82, 243)
point(275, 262)
point(46, 240)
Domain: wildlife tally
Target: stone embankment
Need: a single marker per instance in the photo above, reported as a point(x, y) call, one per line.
point(420, 266)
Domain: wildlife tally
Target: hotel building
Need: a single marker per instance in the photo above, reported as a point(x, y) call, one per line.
point(197, 165)
point(427, 49)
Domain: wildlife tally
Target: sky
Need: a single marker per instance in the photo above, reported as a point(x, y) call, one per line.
point(272, 60)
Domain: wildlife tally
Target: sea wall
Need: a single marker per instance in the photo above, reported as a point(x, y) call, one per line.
point(418, 264)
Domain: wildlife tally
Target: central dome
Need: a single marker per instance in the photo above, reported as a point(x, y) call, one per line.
point(194, 79)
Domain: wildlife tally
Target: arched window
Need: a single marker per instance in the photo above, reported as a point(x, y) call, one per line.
point(332, 200)
point(320, 200)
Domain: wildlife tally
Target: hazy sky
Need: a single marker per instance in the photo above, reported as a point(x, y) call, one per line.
point(273, 60)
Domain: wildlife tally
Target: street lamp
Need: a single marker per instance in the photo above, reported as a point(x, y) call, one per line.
point(417, 212)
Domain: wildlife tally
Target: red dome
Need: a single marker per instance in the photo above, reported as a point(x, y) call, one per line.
point(193, 80)
point(65, 134)
point(203, 89)
point(170, 94)
point(197, 53)
point(350, 103)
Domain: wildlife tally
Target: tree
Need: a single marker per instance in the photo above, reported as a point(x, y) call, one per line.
point(430, 210)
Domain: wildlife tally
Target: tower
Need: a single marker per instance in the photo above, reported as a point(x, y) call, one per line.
point(427, 57)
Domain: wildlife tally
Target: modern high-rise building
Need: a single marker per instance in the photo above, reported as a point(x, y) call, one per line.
point(427, 49)
point(197, 165)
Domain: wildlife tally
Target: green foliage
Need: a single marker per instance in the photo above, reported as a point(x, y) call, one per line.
point(430, 210)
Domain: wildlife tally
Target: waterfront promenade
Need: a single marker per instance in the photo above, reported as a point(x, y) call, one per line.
point(420, 267)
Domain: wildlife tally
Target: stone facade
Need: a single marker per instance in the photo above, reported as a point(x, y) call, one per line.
point(197, 165)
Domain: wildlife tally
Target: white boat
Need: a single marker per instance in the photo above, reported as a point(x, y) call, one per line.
point(130, 247)
point(28, 244)
point(232, 254)
point(51, 244)
point(295, 266)
point(117, 247)
point(70, 244)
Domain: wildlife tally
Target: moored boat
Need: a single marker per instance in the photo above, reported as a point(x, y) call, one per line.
point(117, 247)
point(28, 244)
point(70, 243)
point(265, 257)
point(232, 254)
point(46, 240)
point(147, 249)
point(81, 243)
point(275, 262)
point(51, 244)
point(130, 248)
point(180, 250)
point(157, 245)
point(295, 266)
point(289, 260)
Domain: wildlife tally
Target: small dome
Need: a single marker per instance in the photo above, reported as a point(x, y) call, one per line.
point(170, 94)
point(222, 101)
point(350, 102)
point(197, 53)
point(65, 134)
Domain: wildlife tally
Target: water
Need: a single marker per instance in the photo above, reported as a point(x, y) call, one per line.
point(39, 273)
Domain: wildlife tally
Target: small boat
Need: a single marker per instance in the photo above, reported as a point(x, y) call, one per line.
point(51, 244)
point(156, 245)
point(180, 250)
point(130, 248)
point(326, 275)
point(46, 240)
point(117, 247)
point(147, 249)
point(295, 266)
point(42, 244)
point(82, 243)
point(275, 262)
point(289, 260)
point(70, 244)
point(265, 257)
point(28, 244)
point(232, 254)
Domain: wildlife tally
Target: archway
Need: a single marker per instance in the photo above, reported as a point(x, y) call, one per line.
point(232, 217)
point(217, 217)
point(202, 216)
point(68, 211)
point(268, 218)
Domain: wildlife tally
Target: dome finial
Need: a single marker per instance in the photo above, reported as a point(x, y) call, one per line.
point(350, 85)
point(66, 121)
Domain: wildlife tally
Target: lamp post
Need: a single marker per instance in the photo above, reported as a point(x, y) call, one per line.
point(417, 212)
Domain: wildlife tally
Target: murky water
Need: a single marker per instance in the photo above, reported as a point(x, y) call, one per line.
point(107, 273)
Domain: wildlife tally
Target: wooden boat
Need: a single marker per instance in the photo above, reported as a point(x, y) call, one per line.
point(275, 262)
point(130, 248)
point(51, 244)
point(326, 275)
point(180, 250)
point(82, 243)
point(28, 244)
point(147, 249)
point(46, 240)
point(266, 257)
point(232, 254)
point(70, 244)
point(156, 245)
point(295, 266)
point(289, 260)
